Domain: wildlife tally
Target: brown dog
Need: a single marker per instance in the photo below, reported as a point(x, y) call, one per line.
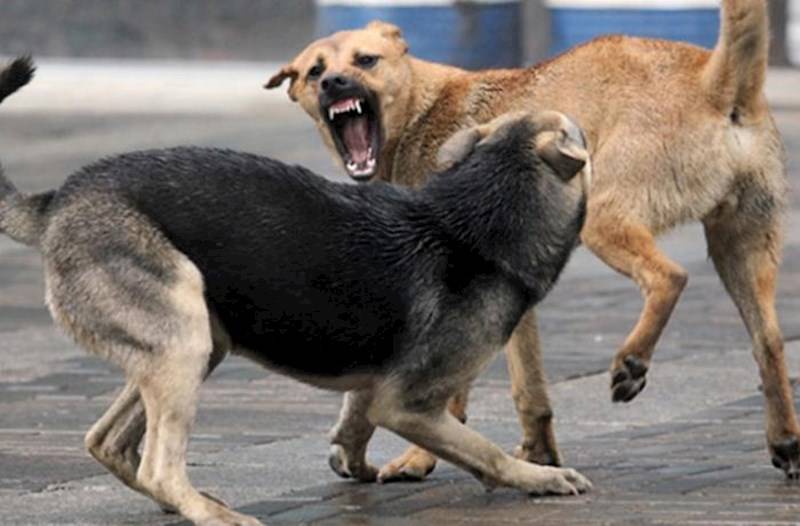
point(677, 134)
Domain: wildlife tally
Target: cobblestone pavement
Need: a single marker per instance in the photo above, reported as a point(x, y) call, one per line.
point(689, 450)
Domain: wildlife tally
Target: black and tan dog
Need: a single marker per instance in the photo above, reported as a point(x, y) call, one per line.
point(163, 261)
point(677, 133)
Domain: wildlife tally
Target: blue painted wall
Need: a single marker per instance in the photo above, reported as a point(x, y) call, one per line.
point(571, 26)
point(468, 35)
point(488, 34)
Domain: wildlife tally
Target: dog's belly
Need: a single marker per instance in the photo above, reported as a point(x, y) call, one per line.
point(305, 331)
point(341, 382)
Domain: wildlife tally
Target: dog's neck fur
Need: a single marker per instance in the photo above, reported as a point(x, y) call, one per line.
point(428, 80)
point(436, 101)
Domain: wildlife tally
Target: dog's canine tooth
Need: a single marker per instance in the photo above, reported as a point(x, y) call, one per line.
point(358, 106)
point(331, 113)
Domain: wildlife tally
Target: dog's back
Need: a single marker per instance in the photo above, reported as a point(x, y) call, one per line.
point(273, 243)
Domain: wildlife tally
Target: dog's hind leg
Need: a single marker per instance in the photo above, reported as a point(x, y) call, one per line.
point(746, 253)
point(440, 432)
point(529, 390)
point(631, 250)
point(350, 437)
point(114, 440)
point(169, 387)
point(125, 293)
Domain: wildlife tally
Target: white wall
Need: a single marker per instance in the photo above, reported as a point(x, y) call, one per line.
point(793, 32)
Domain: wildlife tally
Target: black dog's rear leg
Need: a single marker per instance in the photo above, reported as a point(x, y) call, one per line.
point(114, 440)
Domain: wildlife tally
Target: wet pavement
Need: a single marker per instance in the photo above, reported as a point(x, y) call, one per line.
point(689, 450)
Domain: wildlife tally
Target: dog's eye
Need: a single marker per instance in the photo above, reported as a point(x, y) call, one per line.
point(316, 71)
point(367, 61)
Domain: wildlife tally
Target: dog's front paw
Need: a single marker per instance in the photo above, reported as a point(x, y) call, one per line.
point(628, 379)
point(413, 465)
point(545, 480)
point(786, 456)
point(226, 517)
point(346, 467)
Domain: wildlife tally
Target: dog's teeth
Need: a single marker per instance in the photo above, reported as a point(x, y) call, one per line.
point(331, 113)
point(358, 106)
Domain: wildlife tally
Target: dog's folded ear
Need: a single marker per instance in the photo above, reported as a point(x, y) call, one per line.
point(287, 72)
point(390, 31)
point(563, 148)
point(457, 147)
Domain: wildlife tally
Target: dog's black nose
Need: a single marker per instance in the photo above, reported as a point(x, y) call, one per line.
point(335, 83)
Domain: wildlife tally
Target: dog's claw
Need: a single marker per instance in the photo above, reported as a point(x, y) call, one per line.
point(786, 457)
point(629, 380)
point(563, 481)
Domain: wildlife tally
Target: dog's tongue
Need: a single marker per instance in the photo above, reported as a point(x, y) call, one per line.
point(356, 138)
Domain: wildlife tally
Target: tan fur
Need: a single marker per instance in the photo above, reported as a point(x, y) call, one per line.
point(677, 134)
point(175, 331)
point(349, 443)
point(450, 439)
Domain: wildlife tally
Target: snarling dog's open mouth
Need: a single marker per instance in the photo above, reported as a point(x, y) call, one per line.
point(353, 118)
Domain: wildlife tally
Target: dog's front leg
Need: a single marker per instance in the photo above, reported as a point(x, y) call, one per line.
point(350, 437)
point(630, 248)
point(417, 463)
point(440, 432)
point(529, 389)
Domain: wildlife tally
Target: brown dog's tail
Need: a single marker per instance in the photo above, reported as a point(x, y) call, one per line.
point(22, 217)
point(734, 75)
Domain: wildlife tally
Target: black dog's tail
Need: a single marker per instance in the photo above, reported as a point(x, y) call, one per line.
point(22, 217)
point(16, 75)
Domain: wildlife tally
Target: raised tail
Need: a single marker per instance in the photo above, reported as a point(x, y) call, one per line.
point(22, 217)
point(15, 75)
point(734, 75)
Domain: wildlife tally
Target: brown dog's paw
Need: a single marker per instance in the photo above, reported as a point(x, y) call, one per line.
point(339, 463)
point(628, 380)
point(169, 510)
point(542, 454)
point(413, 465)
point(786, 456)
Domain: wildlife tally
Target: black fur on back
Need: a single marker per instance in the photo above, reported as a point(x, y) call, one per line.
point(329, 279)
point(18, 73)
point(504, 203)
